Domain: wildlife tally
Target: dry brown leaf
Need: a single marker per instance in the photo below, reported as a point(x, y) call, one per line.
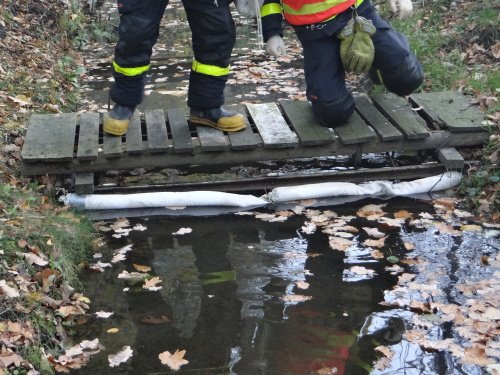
point(375, 243)
point(150, 319)
point(302, 284)
point(359, 270)
point(403, 214)
point(7, 290)
point(295, 298)
point(409, 246)
point(476, 355)
point(151, 284)
point(175, 360)
point(338, 243)
point(371, 211)
point(373, 232)
point(141, 268)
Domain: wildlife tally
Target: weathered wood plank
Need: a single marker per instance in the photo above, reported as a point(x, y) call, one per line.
point(272, 127)
point(181, 136)
point(50, 137)
point(88, 137)
point(244, 139)
point(355, 131)
point(156, 127)
point(111, 145)
point(451, 158)
point(133, 138)
point(378, 122)
point(400, 112)
point(211, 139)
point(84, 183)
point(438, 139)
point(451, 109)
point(309, 131)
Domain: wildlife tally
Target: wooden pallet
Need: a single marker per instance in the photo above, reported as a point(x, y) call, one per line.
point(74, 143)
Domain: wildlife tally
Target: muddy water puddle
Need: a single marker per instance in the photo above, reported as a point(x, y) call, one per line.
point(262, 293)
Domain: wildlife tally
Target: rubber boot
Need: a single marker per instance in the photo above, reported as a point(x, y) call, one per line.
point(116, 122)
point(218, 118)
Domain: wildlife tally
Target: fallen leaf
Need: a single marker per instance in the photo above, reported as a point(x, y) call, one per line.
point(9, 291)
point(373, 232)
point(371, 211)
point(295, 298)
point(141, 268)
point(338, 243)
point(182, 231)
point(375, 243)
point(35, 259)
point(103, 314)
point(150, 319)
point(120, 357)
point(151, 284)
point(175, 360)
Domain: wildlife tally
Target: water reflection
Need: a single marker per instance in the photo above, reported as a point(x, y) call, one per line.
point(245, 296)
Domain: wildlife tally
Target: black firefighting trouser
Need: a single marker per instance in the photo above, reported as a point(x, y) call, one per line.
point(213, 38)
point(394, 65)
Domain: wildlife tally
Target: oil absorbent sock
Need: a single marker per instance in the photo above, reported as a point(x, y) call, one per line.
point(333, 189)
point(161, 199)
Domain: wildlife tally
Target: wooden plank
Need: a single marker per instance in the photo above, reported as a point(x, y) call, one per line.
point(438, 139)
point(451, 109)
point(181, 136)
point(88, 137)
point(50, 137)
point(111, 145)
point(381, 125)
point(84, 183)
point(355, 131)
point(451, 158)
point(133, 138)
point(211, 139)
point(156, 128)
point(400, 112)
point(244, 139)
point(272, 127)
point(309, 131)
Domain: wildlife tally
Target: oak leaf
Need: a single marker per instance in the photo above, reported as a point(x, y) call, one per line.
point(175, 360)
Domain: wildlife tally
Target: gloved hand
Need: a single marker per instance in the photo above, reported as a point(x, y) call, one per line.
point(275, 46)
point(356, 46)
point(403, 7)
point(248, 8)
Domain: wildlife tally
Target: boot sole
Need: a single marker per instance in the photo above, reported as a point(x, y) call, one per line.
point(203, 121)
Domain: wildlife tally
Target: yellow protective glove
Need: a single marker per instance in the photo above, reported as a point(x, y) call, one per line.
point(356, 46)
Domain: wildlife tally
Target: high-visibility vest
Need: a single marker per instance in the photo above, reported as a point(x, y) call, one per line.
point(307, 12)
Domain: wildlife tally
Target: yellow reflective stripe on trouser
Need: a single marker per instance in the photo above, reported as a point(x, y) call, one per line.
point(271, 8)
point(209, 70)
point(130, 72)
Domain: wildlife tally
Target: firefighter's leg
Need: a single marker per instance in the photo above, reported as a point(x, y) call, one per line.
point(394, 65)
point(213, 36)
point(332, 102)
point(138, 32)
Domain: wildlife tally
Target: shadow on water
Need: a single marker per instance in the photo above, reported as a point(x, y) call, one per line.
point(242, 296)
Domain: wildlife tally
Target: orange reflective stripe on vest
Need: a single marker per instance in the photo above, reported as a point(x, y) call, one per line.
point(306, 12)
